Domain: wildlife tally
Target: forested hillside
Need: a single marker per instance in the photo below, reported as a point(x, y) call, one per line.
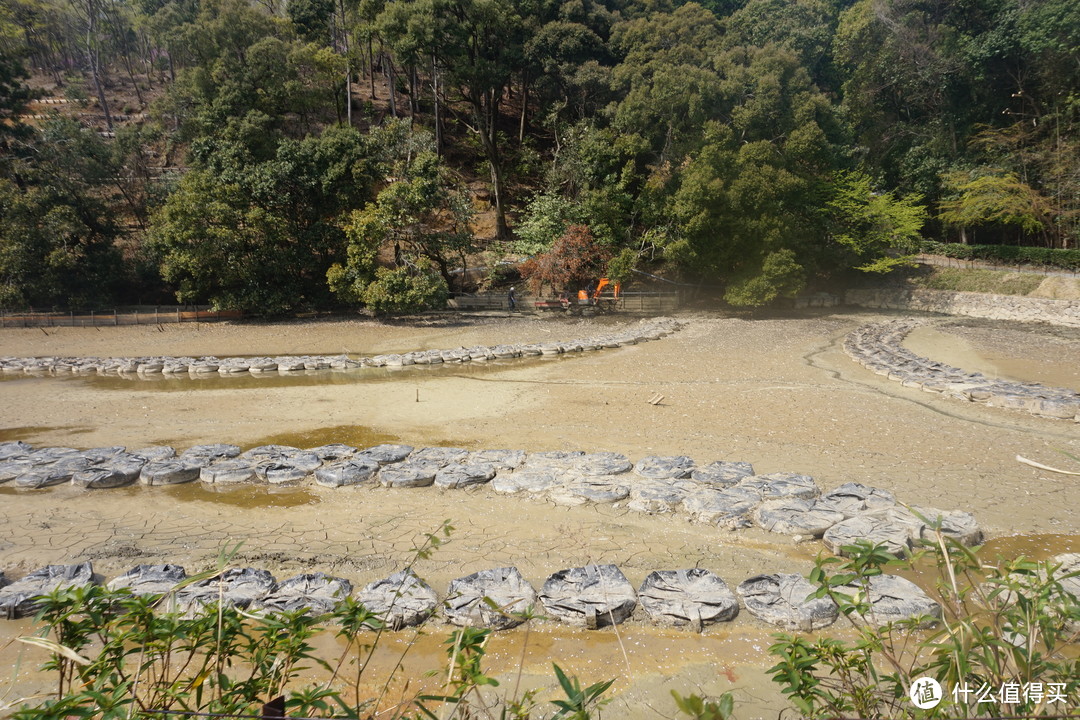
point(288, 155)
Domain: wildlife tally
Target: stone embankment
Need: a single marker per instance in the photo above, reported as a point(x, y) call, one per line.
point(723, 494)
point(158, 366)
point(879, 348)
point(970, 304)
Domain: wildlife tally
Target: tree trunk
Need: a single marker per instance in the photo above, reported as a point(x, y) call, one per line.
point(435, 96)
point(93, 57)
point(485, 112)
point(371, 60)
point(524, 108)
point(391, 82)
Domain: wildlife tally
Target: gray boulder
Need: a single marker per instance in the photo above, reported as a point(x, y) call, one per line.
point(470, 599)
point(500, 459)
point(656, 497)
point(47, 474)
point(693, 598)
point(780, 599)
point(592, 596)
point(440, 456)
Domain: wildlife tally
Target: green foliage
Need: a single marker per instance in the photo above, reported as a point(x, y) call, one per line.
point(780, 276)
point(114, 655)
point(879, 229)
point(700, 708)
point(261, 235)
point(405, 289)
point(1006, 254)
point(621, 268)
point(993, 199)
point(545, 219)
point(998, 282)
point(579, 701)
point(1007, 623)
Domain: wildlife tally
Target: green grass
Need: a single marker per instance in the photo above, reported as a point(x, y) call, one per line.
point(998, 282)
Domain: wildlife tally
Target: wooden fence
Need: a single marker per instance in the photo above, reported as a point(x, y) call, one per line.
point(116, 317)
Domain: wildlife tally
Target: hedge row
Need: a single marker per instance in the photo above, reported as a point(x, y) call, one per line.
point(1006, 254)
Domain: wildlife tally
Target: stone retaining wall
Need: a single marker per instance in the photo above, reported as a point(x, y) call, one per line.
point(981, 305)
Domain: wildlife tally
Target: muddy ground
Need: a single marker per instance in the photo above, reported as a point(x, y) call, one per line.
point(777, 392)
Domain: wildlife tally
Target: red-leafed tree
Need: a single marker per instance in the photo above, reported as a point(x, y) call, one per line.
point(573, 261)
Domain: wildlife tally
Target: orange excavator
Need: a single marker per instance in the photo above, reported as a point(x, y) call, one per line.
point(605, 296)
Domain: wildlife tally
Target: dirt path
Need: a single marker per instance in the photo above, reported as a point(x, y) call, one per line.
point(778, 393)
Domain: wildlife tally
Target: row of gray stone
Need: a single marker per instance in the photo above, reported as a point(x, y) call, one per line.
point(723, 494)
point(879, 348)
point(158, 366)
point(592, 596)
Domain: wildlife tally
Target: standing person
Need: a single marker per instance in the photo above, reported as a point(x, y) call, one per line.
point(511, 299)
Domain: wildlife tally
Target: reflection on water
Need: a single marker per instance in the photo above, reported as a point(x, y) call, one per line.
point(246, 496)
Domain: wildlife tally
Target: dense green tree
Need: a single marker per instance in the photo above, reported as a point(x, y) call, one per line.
point(878, 231)
point(245, 233)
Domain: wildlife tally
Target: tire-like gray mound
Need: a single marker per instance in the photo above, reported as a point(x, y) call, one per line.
point(120, 470)
point(464, 475)
point(729, 509)
point(47, 474)
point(401, 600)
point(350, 471)
point(206, 453)
point(14, 448)
point(795, 516)
point(895, 528)
point(237, 587)
point(662, 468)
point(334, 452)
point(657, 497)
point(722, 473)
point(173, 471)
point(781, 600)
point(440, 456)
point(694, 597)
point(783, 485)
point(500, 459)
point(19, 599)
point(596, 490)
point(386, 454)
point(893, 599)
point(229, 471)
point(592, 596)
point(315, 593)
point(470, 599)
point(900, 529)
point(149, 579)
point(854, 498)
point(408, 474)
point(601, 464)
point(524, 482)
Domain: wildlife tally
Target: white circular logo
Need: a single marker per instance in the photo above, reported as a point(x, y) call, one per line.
point(925, 693)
